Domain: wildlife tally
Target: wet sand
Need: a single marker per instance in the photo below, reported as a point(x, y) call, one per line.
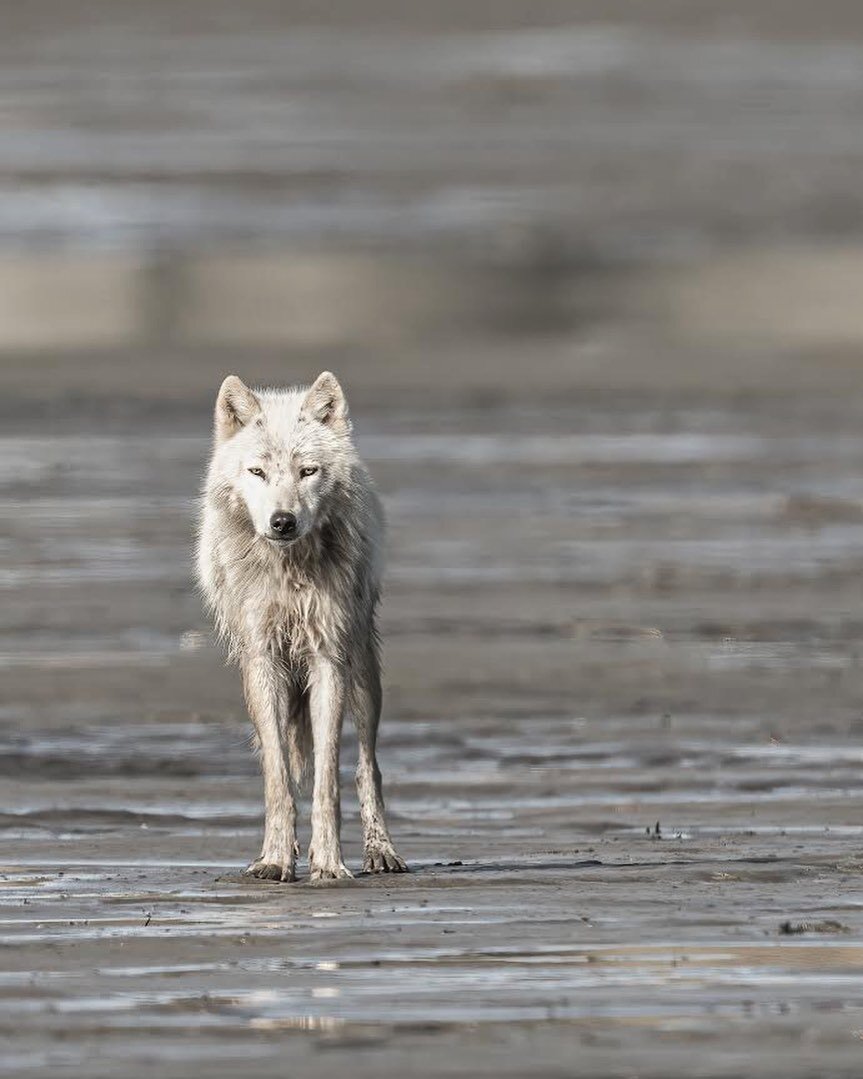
point(622, 747)
point(622, 743)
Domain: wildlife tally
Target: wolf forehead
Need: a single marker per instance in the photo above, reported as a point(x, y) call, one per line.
point(281, 428)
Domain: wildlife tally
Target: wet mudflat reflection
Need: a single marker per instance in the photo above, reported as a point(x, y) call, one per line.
point(592, 284)
point(660, 785)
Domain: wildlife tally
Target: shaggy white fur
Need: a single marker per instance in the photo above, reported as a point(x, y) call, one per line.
point(290, 556)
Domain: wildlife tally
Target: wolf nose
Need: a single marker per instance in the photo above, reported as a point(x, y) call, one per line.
point(283, 524)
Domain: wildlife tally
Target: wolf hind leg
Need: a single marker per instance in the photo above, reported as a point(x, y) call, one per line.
point(297, 735)
point(379, 854)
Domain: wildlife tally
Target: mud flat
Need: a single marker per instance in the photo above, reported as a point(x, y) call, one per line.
point(623, 749)
point(623, 743)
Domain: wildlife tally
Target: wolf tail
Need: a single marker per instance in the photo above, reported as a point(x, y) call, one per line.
point(299, 739)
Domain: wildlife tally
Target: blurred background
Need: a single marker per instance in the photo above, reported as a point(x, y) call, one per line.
point(590, 274)
point(391, 183)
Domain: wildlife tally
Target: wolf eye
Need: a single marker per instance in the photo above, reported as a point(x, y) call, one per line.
point(258, 472)
point(309, 470)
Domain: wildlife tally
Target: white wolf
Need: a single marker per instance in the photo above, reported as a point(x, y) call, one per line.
point(289, 561)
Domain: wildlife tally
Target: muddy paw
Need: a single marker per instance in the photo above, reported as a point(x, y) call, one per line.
point(265, 870)
point(337, 871)
point(383, 859)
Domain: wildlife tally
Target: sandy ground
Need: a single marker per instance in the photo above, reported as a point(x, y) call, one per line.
point(622, 748)
point(622, 737)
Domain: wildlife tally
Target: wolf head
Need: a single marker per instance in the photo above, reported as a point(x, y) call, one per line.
point(280, 455)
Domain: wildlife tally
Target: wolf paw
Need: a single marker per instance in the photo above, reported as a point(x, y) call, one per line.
point(266, 870)
point(383, 858)
point(331, 871)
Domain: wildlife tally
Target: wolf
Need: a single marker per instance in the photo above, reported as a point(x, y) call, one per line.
point(289, 559)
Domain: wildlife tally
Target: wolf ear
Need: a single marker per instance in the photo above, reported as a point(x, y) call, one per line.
point(326, 402)
point(235, 406)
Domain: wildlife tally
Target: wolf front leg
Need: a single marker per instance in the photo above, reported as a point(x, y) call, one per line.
point(379, 854)
point(266, 697)
point(327, 708)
